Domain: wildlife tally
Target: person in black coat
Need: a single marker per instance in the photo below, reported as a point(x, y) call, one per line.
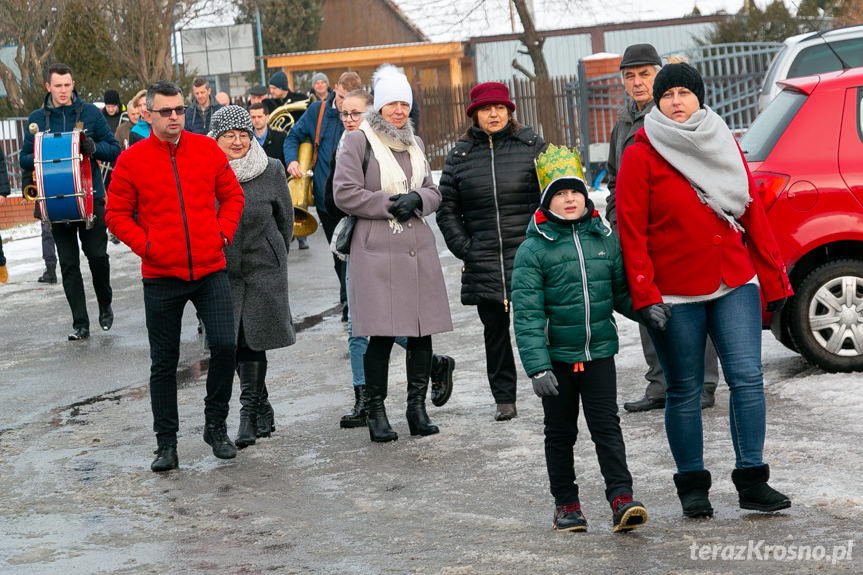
point(272, 141)
point(490, 192)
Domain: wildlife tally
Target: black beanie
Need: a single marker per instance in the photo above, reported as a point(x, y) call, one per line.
point(112, 97)
point(678, 76)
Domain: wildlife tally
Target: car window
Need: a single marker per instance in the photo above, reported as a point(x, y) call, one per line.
point(759, 140)
point(819, 59)
point(773, 70)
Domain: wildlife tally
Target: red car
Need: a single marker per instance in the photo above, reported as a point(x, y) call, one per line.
point(805, 151)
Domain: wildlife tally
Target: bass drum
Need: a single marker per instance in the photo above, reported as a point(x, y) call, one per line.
point(64, 182)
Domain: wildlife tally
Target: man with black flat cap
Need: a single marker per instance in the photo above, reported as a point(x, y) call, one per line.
point(638, 70)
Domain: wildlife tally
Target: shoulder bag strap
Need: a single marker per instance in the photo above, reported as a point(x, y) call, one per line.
point(318, 133)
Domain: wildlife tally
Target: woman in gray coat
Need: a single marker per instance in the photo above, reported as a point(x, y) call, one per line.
point(397, 285)
point(257, 263)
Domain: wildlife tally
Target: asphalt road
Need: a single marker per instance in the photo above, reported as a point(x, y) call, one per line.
point(77, 495)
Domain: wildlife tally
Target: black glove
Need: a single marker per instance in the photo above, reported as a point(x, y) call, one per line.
point(88, 146)
point(403, 205)
point(775, 305)
point(544, 383)
point(655, 316)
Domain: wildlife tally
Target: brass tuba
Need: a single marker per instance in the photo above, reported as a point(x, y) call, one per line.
point(301, 193)
point(281, 119)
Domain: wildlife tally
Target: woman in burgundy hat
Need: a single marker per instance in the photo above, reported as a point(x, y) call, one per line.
point(490, 191)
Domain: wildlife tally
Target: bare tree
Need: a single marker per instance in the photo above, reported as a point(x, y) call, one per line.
point(143, 29)
point(31, 25)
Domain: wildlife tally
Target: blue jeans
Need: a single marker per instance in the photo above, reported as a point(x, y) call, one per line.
point(734, 324)
point(357, 345)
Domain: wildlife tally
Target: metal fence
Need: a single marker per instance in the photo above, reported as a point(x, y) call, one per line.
point(732, 76)
point(443, 119)
point(11, 138)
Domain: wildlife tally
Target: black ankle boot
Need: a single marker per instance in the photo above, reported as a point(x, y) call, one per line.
point(357, 415)
point(692, 489)
point(377, 372)
point(419, 365)
point(251, 377)
point(265, 413)
point(753, 491)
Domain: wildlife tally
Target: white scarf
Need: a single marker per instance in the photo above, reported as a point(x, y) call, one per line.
point(704, 151)
point(252, 164)
point(393, 178)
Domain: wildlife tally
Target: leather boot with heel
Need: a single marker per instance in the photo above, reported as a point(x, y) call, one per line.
point(377, 372)
point(419, 365)
point(251, 376)
point(266, 415)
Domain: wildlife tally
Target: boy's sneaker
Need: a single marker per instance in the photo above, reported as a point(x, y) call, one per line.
point(628, 514)
point(569, 518)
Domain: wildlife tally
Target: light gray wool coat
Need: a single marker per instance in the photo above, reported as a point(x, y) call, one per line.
point(258, 261)
point(396, 285)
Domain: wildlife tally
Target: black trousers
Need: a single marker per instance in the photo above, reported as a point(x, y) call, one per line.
point(499, 359)
point(328, 222)
point(94, 243)
point(597, 388)
point(164, 301)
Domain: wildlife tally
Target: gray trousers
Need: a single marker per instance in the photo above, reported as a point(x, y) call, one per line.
point(49, 250)
point(655, 377)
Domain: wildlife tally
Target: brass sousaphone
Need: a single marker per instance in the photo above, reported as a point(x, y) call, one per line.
point(301, 193)
point(282, 120)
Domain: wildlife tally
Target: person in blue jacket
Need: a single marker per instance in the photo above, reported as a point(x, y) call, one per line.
point(62, 111)
point(330, 133)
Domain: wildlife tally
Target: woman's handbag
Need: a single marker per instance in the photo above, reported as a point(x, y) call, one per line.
point(342, 235)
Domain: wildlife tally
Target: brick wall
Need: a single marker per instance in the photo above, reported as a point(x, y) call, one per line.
point(15, 211)
point(596, 66)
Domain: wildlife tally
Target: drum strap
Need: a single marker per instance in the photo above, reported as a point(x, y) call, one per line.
point(47, 113)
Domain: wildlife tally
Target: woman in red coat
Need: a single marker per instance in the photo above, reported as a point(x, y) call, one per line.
point(685, 204)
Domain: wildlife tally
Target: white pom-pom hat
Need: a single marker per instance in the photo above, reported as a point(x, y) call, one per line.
point(390, 85)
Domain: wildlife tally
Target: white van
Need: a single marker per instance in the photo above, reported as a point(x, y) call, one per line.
point(808, 54)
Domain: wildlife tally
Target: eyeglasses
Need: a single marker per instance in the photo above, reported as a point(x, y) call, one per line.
point(242, 136)
point(166, 112)
point(355, 116)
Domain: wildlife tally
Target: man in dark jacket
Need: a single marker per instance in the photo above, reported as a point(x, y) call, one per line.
point(638, 69)
point(280, 93)
point(198, 115)
point(330, 132)
point(272, 141)
point(61, 112)
point(188, 205)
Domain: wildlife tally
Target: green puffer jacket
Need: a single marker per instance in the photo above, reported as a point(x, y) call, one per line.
point(566, 282)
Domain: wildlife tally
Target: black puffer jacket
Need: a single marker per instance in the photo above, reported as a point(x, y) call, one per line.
point(490, 191)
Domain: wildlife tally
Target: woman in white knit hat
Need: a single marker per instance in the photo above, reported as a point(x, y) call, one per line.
point(397, 286)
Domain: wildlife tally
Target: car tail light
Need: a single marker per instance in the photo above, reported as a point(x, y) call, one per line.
point(769, 186)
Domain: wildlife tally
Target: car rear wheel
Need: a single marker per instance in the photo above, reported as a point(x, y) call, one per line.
point(827, 316)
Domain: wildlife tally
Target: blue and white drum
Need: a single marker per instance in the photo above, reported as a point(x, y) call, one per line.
point(63, 178)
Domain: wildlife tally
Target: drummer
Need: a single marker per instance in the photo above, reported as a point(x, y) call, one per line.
point(61, 112)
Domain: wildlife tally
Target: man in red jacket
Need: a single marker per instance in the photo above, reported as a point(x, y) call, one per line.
point(188, 205)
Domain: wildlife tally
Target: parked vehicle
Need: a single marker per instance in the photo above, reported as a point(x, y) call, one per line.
point(805, 152)
point(812, 53)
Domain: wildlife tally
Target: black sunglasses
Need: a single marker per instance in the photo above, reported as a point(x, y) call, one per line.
point(166, 112)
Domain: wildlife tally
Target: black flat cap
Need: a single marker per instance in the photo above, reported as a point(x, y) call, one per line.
point(640, 55)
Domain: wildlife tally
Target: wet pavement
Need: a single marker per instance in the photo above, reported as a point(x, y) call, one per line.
point(77, 495)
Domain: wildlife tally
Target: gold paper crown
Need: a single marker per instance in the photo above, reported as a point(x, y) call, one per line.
point(556, 163)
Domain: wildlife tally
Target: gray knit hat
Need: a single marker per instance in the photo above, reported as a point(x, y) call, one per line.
point(230, 118)
point(320, 76)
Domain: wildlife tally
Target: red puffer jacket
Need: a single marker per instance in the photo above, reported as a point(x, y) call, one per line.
point(675, 245)
point(181, 231)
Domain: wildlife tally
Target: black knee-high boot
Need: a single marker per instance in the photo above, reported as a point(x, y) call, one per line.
point(251, 377)
point(376, 372)
point(419, 364)
point(265, 410)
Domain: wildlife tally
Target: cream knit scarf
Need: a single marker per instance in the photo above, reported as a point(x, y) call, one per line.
point(385, 138)
point(252, 164)
point(703, 149)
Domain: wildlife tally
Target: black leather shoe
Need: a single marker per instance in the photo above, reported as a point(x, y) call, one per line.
point(216, 435)
point(166, 459)
point(707, 400)
point(106, 318)
point(79, 333)
point(504, 411)
point(645, 404)
point(441, 378)
point(49, 276)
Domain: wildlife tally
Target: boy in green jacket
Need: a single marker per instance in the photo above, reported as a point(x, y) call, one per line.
point(567, 280)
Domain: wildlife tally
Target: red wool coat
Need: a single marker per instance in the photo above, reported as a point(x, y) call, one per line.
point(674, 244)
point(180, 231)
